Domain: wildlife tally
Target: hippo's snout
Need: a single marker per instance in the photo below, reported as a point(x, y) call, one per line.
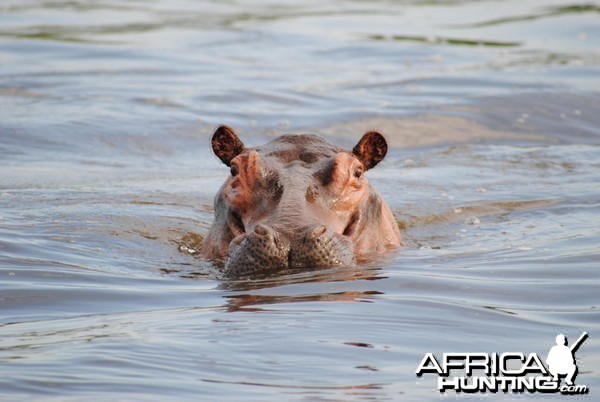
point(261, 250)
point(265, 250)
point(321, 247)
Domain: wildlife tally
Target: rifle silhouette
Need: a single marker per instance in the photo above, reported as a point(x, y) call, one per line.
point(578, 342)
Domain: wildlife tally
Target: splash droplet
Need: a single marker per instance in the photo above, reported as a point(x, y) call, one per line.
point(472, 220)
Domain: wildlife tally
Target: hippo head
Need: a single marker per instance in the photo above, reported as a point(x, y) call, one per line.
point(297, 202)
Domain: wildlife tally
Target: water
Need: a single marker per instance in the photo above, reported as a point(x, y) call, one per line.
point(492, 112)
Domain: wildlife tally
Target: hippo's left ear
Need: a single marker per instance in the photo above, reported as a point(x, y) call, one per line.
point(226, 144)
point(371, 149)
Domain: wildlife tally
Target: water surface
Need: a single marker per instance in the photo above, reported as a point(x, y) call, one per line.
point(491, 109)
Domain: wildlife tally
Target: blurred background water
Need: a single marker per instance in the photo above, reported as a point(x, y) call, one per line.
point(492, 112)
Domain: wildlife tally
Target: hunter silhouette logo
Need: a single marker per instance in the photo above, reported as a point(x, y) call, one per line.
point(509, 371)
point(561, 359)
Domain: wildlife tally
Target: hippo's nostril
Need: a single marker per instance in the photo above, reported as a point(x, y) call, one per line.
point(313, 234)
point(261, 230)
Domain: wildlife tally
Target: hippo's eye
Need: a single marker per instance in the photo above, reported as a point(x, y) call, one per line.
point(358, 172)
point(234, 170)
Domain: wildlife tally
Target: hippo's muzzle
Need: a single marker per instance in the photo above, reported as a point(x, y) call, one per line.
point(265, 250)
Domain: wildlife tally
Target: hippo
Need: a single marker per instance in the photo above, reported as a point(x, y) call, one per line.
point(297, 202)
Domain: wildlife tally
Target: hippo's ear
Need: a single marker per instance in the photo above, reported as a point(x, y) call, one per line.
point(226, 144)
point(371, 149)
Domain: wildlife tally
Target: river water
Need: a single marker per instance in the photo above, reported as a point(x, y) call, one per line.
point(492, 111)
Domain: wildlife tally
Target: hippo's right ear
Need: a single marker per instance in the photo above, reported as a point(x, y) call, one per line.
point(371, 149)
point(226, 144)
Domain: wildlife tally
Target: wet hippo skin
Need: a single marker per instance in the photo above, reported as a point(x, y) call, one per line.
point(297, 202)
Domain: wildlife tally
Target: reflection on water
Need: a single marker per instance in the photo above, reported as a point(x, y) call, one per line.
point(107, 180)
point(250, 302)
